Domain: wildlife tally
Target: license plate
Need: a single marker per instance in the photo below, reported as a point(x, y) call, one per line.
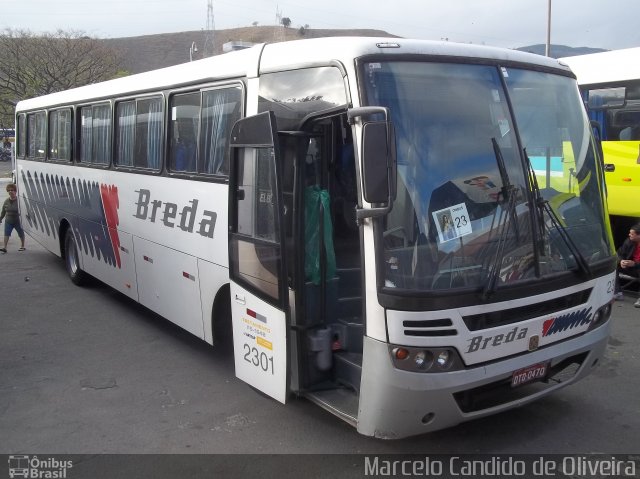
point(529, 374)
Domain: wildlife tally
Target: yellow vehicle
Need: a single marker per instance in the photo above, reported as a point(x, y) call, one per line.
point(610, 85)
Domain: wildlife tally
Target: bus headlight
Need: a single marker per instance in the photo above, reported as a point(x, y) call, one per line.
point(600, 317)
point(425, 360)
point(444, 359)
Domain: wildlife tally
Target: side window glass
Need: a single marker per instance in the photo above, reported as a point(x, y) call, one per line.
point(86, 116)
point(22, 135)
point(294, 94)
point(53, 134)
point(256, 212)
point(60, 135)
point(36, 135)
point(255, 249)
point(125, 139)
point(139, 133)
point(95, 134)
point(148, 133)
point(183, 132)
point(220, 110)
point(102, 134)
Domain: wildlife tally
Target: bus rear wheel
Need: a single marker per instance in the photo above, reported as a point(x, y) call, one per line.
point(71, 260)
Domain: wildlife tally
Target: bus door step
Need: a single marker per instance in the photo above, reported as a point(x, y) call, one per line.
point(348, 369)
point(340, 402)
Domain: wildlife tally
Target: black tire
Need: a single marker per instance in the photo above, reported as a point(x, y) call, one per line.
point(222, 325)
point(71, 260)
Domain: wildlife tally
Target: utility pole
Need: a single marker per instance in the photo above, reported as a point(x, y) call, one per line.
point(547, 50)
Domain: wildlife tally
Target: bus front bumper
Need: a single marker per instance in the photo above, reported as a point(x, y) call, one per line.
point(396, 404)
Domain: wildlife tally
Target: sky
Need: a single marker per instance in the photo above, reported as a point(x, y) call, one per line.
point(608, 24)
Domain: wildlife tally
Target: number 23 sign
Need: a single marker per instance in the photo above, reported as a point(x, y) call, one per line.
point(452, 222)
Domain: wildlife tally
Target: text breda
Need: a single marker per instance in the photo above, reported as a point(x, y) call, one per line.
point(482, 342)
point(167, 213)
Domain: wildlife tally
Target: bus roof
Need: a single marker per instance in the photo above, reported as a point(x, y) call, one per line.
point(263, 58)
point(345, 49)
point(606, 67)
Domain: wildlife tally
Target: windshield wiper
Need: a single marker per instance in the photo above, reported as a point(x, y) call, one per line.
point(507, 216)
point(543, 206)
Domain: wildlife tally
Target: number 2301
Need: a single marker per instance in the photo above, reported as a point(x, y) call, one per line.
point(259, 359)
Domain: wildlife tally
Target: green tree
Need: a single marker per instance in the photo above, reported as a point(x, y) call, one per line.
point(303, 29)
point(286, 21)
point(33, 65)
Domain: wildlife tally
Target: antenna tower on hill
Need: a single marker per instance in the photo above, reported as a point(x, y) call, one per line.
point(278, 32)
point(209, 45)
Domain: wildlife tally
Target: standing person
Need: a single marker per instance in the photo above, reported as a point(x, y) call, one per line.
point(10, 210)
point(629, 259)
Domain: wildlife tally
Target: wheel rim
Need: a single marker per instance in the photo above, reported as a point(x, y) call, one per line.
point(72, 257)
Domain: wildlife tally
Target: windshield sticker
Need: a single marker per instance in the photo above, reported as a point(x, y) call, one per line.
point(480, 189)
point(496, 95)
point(452, 222)
point(505, 73)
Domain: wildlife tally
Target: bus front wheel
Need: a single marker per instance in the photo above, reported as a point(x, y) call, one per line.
point(71, 260)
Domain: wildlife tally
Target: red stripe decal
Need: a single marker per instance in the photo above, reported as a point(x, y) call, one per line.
point(111, 203)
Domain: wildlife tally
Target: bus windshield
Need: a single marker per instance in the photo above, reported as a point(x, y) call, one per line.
point(465, 214)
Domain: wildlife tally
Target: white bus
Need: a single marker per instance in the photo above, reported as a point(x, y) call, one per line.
point(610, 85)
point(410, 234)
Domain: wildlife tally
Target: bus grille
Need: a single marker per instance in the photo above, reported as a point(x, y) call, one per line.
point(429, 327)
point(503, 317)
point(501, 392)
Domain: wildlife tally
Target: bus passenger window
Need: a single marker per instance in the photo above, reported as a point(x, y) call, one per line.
point(36, 128)
point(185, 118)
point(221, 108)
point(95, 134)
point(126, 117)
point(60, 135)
point(148, 133)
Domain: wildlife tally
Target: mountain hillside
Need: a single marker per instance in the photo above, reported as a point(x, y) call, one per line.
point(149, 52)
point(559, 51)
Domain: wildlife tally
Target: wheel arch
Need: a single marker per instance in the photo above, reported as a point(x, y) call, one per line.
point(65, 224)
point(221, 324)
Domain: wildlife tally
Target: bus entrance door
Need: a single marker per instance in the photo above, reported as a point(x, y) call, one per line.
point(257, 269)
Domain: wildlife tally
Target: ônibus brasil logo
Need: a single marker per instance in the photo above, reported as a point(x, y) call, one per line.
point(34, 467)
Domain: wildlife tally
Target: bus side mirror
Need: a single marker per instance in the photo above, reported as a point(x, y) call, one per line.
point(375, 166)
point(378, 162)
